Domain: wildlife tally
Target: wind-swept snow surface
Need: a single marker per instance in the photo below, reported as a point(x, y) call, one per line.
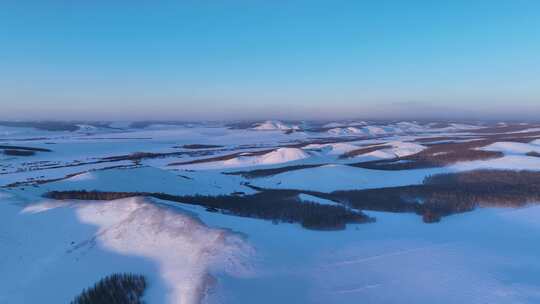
point(42, 263)
point(51, 250)
point(468, 258)
point(155, 180)
point(183, 247)
point(397, 149)
point(339, 177)
point(510, 162)
point(514, 147)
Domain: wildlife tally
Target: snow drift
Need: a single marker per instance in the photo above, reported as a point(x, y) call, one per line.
point(184, 249)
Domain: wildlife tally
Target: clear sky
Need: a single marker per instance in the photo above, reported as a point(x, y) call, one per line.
point(269, 59)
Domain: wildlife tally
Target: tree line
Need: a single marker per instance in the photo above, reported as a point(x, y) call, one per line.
point(118, 288)
point(446, 194)
point(275, 205)
point(438, 196)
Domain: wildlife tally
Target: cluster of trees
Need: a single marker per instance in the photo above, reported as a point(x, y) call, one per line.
point(124, 288)
point(274, 205)
point(13, 152)
point(271, 171)
point(503, 188)
point(138, 156)
point(365, 150)
point(442, 154)
point(431, 140)
point(505, 128)
point(446, 194)
point(21, 148)
point(42, 125)
point(439, 195)
point(436, 155)
point(534, 154)
point(200, 146)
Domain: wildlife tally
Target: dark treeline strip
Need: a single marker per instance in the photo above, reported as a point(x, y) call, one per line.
point(37, 181)
point(12, 152)
point(365, 150)
point(533, 153)
point(524, 137)
point(275, 205)
point(200, 146)
point(123, 288)
point(430, 202)
point(42, 125)
point(25, 148)
point(138, 156)
point(439, 196)
point(271, 171)
point(428, 140)
point(437, 155)
point(505, 129)
point(442, 154)
point(446, 194)
point(24, 139)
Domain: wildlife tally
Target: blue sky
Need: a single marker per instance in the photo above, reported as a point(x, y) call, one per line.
point(277, 59)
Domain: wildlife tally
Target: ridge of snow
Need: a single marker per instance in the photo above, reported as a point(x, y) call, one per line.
point(273, 125)
point(398, 149)
point(281, 155)
point(513, 147)
point(332, 149)
point(184, 249)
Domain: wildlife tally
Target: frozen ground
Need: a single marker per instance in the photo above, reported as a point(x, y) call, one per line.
point(333, 177)
point(461, 260)
point(73, 244)
point(50, 250)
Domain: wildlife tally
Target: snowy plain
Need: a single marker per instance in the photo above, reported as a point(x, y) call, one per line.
point(51, 250)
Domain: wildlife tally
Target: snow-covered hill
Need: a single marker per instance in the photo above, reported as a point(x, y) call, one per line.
point(281, 155)
point(273, 125)
point(76, 244)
